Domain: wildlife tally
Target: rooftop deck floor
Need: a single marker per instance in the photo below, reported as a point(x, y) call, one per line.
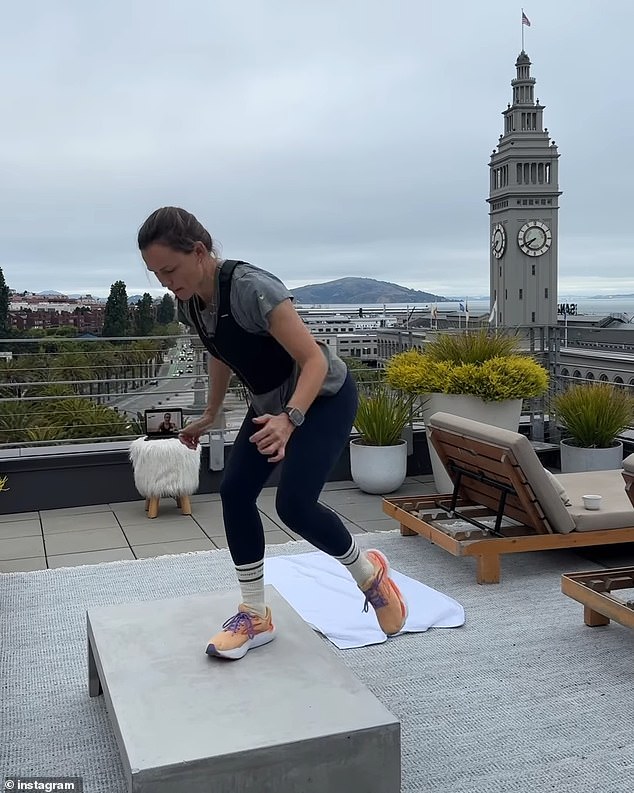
point(111, 532)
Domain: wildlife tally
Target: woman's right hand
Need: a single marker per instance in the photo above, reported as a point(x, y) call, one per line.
point(190, 434)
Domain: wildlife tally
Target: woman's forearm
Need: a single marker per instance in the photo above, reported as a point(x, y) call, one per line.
point(312, 375)
point(219, 377)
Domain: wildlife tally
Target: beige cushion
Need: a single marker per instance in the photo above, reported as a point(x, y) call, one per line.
point(616, 510)
point(557, 515)
point(628, 463)
point(565, 499)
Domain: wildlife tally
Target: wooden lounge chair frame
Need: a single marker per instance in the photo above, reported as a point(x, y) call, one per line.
point(488, 481)
point(594, 589)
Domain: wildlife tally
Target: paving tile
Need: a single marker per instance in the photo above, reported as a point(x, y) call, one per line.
point(277, 537)
point(360, 512)
point(135, 517)
point(270, 538)
point(20, 528)
point(201, 498)
point(11, 517)
point(344, 484)
point(54, 524)
point(165, 548)
point(353, 528)
point(220, 541)
point(212, 523)
point(69, 542)
point(90, 557)
point(212, 527)
point(389, 524)
point(126, 504)
point(267, 492)
point(207, 509)
point(85, 510)
point(336, 497)
point(22, 565)
point(163, 532)
point(427, 479)
point(21, 547)
point(267, 508)
point(412, 489)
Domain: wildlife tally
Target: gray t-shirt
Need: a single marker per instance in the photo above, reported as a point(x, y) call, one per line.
point(254, 294)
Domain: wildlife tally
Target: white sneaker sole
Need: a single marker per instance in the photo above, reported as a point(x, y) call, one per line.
point(239, 652)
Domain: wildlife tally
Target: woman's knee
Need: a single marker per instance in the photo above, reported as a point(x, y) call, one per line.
point(231, 490)
point(292, 507)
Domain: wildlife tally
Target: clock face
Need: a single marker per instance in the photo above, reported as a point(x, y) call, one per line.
point(534, 238)
point(498, 240)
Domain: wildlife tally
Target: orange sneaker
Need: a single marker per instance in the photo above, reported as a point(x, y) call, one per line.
point(384, 596)
point(240, 633)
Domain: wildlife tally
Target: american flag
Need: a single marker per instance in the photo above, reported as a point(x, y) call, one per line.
point(525, 20)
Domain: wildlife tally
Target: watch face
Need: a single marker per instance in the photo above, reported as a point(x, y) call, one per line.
point(295, 415)
point(498, 240)
point(534, 238)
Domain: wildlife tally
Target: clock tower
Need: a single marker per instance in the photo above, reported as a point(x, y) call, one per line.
point(523, 204)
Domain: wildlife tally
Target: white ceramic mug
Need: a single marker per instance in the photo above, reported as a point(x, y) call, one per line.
point(591, 502)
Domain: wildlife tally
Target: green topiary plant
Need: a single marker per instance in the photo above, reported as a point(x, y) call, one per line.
point(594, 414)
point(382, 415)
point(477, 364)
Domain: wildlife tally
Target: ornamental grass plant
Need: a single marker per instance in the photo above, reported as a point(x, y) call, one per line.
point(382, 415)
point(594, 414)
point(481, 364)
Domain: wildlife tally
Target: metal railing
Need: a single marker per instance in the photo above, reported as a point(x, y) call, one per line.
point(58, 390)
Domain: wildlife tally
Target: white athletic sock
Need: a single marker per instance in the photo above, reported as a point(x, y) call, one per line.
point(251, 580)
point(360, 567)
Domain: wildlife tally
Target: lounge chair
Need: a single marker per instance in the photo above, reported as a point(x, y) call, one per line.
point(594, 589)
point(505, 501)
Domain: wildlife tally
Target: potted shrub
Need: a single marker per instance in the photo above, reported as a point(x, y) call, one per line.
point(592, 416)
point(378, 457)
point(476, 375)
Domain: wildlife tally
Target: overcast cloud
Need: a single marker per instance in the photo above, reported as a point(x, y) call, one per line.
point(317, 139)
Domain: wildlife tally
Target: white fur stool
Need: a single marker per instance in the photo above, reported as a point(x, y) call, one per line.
point(165, 468)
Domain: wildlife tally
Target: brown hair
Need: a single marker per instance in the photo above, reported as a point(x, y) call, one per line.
point(176, 228)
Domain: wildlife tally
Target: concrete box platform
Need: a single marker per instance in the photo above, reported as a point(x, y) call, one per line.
point(287, 718)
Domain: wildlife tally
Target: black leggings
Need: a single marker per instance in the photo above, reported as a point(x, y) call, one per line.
point(312, 451)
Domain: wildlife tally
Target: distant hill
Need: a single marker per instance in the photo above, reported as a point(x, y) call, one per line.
point(362, 290)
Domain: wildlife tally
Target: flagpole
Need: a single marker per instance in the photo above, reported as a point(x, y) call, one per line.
point(522, 23)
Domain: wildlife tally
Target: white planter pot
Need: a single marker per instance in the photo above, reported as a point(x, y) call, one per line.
point(578, 458)
point(378, 469)
point(505, 415)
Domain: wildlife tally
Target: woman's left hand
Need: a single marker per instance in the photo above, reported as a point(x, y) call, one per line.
point(273, 436)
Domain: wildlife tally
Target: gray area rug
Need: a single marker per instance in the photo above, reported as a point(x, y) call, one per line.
point(522, 698)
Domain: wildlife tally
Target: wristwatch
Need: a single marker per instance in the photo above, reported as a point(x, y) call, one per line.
point(295, 415)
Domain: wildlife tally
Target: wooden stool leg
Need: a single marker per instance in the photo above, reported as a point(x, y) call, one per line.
point(147, 504)
point(406, 531)
point(153, 508)
point(185, 505)
point(488, 570)
point(593, 619)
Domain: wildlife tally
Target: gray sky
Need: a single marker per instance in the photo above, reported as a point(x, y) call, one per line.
point(316, 139)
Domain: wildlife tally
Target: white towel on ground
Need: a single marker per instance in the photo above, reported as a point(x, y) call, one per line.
point(326, 596)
